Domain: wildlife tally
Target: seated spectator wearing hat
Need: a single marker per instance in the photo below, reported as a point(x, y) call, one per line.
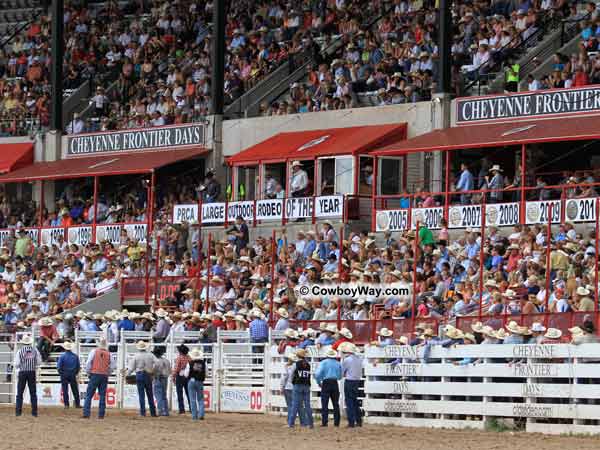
point(195, 372)
point(326, 336)
point(178, 376)
point(345, 335)
point(301, 377)
point(48, 337)
point(537, 333)
point(585, 333)
point(290, 340)
point(163, 327)
point(68, 368)
point(283, 321)
point(327, 375)
point(142, 366)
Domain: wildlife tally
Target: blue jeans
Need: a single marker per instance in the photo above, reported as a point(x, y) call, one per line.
point(181, 385)
point(66, 382)
point(99, 382)
point(301, 406)
point(26, 378)
point(287, 394)
point(351, 399)
point(160, 392)
point(196, 393)
point(144, 386)
point(330, 390)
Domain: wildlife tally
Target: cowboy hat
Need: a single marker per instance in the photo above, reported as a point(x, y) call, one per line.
point(469, 337)
point(477, 327)
point(296, 163)
point(67, 345)
point(331, 328)
point(501, 334)
point(301, 353)
point(486, 330)
point(428, 332)
point(553, 333)
point(454, 333)
point(283, 313)
point(291, 333)
point(196, 353)
point(348, 347)
point(514, 327)
point(582, 291)
point(331, 353)
point(142, 345)
point(576, 331)
point(45, 321)
point(495, 168)
point(537, 327)
point(385, 332)
point(26, 340)
point(346, 333)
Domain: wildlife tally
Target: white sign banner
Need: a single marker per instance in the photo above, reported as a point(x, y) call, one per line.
point(538, 212)
point(392, 220)
point(429, 217)
point(242, 399)
point(244, 209)
point(329, 206)
point(269, 209)
point(502, 214)
point(185, 213)
point(79, 235)
point(464, 216)
point(298, 208)
point(580, 210)
point(110, 233)
point(137, 231)
point(50, 235)
point(213, 213)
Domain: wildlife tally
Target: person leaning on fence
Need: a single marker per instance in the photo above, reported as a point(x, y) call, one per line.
point(99, 365)
point(301, 392)
point(68, 367)
point(162, 370)
point(27, 361)
point(352, 372)
point(328, 373)
point(178, 377)
point(195, 372)
point(142, 365)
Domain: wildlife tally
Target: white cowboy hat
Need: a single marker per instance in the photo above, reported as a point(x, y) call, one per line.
point(161, 313)
point(331, 353)
point(142, 345)
point(454, 333)
point(576, 331)
point(348, 347)
point(385, 332)
point(67, 345)
point(496, 167)
point(486, 330)
point(296, 163)
point(514, 327)
point(477, 327)
point(537, 327)
point(331, 328)
point(45, 321)
point(553, 333)
point(509, 293)
point(26, 340)
point(196, 353)
point(188, 291)
point(403, 340)
point(291, 333)
point(501, 334)
point(346, 333)
point(469, 337)
point(283, 313)
point(582, 291)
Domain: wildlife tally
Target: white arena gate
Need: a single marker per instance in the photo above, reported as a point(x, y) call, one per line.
point(550, 388)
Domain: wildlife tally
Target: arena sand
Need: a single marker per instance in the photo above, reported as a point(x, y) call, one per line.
point(57, 429)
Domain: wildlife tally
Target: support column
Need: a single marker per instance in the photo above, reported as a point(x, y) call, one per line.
point(57, 35)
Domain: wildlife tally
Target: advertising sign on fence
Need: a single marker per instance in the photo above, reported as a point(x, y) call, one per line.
point(502, 214)
point(580, 210)
point(50, 235)
point(185, 213)
point(240, 399)
point(429, 217)
point(269, 209)
point(79, 235)
point(464, 216)
point(392, 220)
point(538, 212)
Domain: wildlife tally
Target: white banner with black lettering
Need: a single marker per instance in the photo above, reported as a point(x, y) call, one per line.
point(50, 235)
point(213, 213)
point(79, 235)
point(136, 231)
point(298, 208)
point(502, 214)
point(34, 234)
point(429, 217)
point(269, 209)
point(391, 220)
point(464, 216)
point(243, 209)
point(580, 210)
point(329, 206)
point(538, 212)
point(110, 233)
point(185, 213)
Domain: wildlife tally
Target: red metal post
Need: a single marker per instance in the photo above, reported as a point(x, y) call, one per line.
point(523, 178)
point(340, 271)
point(95, 221)
point(447, 193)
point(148, 235)
point(208, 269)
point(41, 219)
point(374, 194)
point(548, 249)
point(596, 256)
point(481, 255)
point(272, 289)
point(414, 286)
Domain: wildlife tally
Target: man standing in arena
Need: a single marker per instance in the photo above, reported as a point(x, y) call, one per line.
point(27, 361)
point(99, 365)
point(68, 368)
point(301, 392)
point(352, 371)
point(327, 375)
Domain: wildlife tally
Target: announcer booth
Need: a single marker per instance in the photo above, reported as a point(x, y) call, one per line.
point(120, 169)
point(337, 162)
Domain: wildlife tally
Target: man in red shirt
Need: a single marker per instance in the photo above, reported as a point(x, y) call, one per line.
point(48, 337)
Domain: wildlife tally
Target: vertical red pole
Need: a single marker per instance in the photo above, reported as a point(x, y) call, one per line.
point(596, 256)
point(148, 238)
point(199, 219)
point(150, 223)
point(340, 271)
point(226, 224)
point(208, 269)
point(415, 256)
point(523, 178)
point(95, 220)
point(374, 194)
point(548, 248)
point(272, 289)
point(447, 185)
point(481, 256)
point(41, 219)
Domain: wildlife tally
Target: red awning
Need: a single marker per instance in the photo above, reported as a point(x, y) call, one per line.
point(317, 143)
point(15, 156)
point(113, 164)
point(498, 135)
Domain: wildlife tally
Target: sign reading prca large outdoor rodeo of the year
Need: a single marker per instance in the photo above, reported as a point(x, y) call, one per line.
point(527, 105)
point(136, 140)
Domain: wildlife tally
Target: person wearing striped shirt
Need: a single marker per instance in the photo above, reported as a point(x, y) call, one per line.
point(27, 361)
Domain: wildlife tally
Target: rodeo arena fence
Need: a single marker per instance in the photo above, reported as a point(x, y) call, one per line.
point(549, 388)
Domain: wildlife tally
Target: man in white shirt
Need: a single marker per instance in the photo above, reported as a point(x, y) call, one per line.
point(107, 283)
point(299, 180)
point(532, 83)
point(76, 125)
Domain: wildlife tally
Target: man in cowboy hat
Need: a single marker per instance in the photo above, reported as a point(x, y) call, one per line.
point(48, 337)
point(163, 327)
point(328, 373)
point(195, 372)
point(352, 372)
point(282, 322)
point(27, 361)
point(495, 184)
point(142, 365)
point(298, 180)
point(99, 366)
point(301, 392)
point(178, 377)
point(68, 368)
point(345, 336)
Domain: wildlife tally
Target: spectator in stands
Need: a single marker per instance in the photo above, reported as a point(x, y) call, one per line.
point(298, 180)
point(465, 183)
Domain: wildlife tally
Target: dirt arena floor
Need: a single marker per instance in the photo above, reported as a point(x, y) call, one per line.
point(56, 429)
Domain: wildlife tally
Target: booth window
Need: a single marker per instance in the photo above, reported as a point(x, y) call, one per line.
point(273, 181)
point(390, 178)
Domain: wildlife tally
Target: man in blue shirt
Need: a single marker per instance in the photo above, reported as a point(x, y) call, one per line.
point(126, 324)
point(465, 183)
point(327, 375)
point(68, 367)
point(352, 372)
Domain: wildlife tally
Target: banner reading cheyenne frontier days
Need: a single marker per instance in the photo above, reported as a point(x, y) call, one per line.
point(527, 105)
point(136, 140)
